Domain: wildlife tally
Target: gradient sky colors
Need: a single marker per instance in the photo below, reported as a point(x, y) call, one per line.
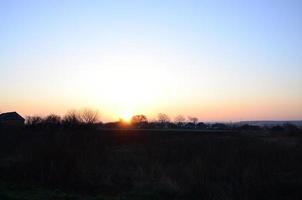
point(217, 60)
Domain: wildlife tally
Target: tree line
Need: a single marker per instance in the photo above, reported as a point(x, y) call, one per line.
point(91, 118)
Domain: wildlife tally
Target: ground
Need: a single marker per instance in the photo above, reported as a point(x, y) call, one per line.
point(149, 164)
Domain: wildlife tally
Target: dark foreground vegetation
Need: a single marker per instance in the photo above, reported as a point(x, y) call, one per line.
point(84, 162)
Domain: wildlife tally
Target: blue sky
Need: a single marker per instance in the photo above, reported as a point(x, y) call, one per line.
point(217, 60)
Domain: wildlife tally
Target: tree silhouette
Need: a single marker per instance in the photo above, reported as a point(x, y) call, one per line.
point(163, 119)
point(139, 119)
point(194, 120)
point(71, 118)
point(52, 119)
point(89, 116)
point(179, 120)
point(33, 120)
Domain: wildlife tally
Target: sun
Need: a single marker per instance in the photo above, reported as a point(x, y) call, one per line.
point(126, 116)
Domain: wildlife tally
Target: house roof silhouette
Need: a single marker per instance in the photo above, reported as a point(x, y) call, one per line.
point(11, 116)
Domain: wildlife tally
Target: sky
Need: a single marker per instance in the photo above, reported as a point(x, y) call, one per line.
point(226, 60)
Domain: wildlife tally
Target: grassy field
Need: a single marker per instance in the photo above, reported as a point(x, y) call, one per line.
point(149, 164)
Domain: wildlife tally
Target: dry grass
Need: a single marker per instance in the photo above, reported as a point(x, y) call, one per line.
point(161, 165)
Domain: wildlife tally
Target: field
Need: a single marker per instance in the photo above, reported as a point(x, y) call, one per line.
point(96, 164)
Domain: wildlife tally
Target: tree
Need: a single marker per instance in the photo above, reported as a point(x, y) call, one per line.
point(179, 120)
point(201, 125)
point(194, 120)
point(139, 120)
point(163, 118)
point(71, 118)
point(33, 120)
point(89, 116)
point(52, 119)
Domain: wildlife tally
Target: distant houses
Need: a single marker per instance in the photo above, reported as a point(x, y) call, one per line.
point(11, 118)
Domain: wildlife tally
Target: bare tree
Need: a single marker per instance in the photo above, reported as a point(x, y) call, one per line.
point(89, 116)
point(33, 120)
point(52, 119)
point(139, 119)
point(163, 118)
point(194, 120)
point(179, 120)
point(71, 118)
